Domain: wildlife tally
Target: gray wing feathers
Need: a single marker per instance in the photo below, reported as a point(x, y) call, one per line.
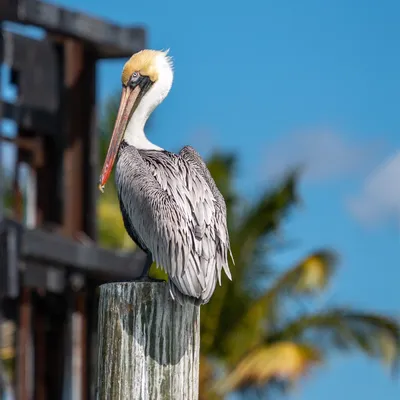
point(173, 209)
point(191, 155)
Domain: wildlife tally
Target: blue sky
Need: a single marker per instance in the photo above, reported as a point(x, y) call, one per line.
point(288, 81)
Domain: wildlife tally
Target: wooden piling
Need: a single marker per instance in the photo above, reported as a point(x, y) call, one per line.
point(148, 344)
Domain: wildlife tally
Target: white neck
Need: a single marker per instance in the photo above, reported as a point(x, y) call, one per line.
point(134, 134)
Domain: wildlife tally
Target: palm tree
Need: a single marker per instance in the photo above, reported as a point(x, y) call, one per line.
point(246, 330)
point(248, 340)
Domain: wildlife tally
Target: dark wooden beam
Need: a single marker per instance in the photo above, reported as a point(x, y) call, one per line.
point(36, 70)
point(29, 145)
point(9, 253)
point(75, 131)
point(44, 278)
point(39, 339)
point(52, 250)
point(31, 118)
point(24, 372)
point(107, 39)
point(55, 113)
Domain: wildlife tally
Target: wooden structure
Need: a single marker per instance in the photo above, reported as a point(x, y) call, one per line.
point(148, 344)
point(50, 265)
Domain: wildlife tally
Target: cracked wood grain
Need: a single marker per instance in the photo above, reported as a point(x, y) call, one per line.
point(148, 344)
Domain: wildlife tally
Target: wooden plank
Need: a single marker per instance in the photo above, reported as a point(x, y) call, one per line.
point(31, 118)
point(52, 248)
point(79, 331)
point(24, 348)
point(37, 86)
point(77, 324)
point(75, 350)
point(55, 351)
point(148, 344)
point(40, 348)
point(9, 273)
point(73, 126)
point(109, 40)
point(91, 151)
point(44, 278)
point(92, 298)
point(80, 159)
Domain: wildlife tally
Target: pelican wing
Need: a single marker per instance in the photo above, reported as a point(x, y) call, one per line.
point(191, 156)
point(175, 214)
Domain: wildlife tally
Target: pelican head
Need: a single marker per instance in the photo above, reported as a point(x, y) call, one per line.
point(146, 80)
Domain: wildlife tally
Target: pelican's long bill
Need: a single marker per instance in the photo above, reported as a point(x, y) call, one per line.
point(126, 107)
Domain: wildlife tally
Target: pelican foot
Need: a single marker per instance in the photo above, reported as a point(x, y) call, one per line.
point(147, 278)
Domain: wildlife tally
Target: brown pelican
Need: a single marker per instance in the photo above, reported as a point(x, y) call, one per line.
point(170, 204)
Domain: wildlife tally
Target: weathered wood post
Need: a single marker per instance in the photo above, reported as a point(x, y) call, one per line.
point(148, 344)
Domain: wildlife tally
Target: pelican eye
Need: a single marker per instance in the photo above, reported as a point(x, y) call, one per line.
point(134, 78)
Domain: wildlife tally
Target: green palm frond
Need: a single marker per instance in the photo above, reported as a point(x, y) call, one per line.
point(266, 216)
point(309, 276)
point(206, 380)
point(261, 221)
point(344, 329)
point(243, 327)
point(289, 353)
point(233, 300)
point(222, 168)
point(282, 360)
